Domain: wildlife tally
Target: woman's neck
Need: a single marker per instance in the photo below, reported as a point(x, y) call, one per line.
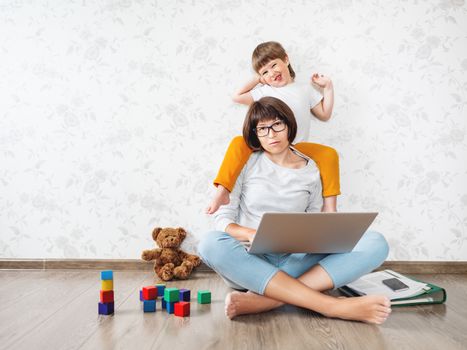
point(287, 159)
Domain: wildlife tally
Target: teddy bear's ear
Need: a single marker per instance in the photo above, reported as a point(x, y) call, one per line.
point(182, 232)
point(156, 231)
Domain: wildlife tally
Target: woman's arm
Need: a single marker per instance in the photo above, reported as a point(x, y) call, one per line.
point(240, 233)
point(243, 95)
point(315, 201)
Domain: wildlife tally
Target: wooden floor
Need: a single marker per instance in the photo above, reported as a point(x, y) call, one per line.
point(47, 309)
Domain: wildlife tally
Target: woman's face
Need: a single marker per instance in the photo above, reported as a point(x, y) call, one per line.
point(272, 134)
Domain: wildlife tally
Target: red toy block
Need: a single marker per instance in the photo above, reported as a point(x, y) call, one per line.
point(182, 309)
point(149, 293)
point(107, 296)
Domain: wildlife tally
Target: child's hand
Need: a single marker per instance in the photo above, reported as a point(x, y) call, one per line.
point(321, 80)
point(260, 79)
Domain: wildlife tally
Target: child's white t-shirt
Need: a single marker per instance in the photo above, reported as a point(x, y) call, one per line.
point(300, 97)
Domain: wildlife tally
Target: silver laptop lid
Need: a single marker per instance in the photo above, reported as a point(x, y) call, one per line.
point(310, 232)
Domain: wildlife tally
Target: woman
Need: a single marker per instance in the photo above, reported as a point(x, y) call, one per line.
point(278, 178)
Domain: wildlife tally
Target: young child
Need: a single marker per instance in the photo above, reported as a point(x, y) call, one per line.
point(271, 63)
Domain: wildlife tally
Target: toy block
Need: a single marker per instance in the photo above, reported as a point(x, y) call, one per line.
point(185, 294)
point(149, 293)
point(182, 309)
point(107, 285)
point(160, 289)
point(141, 295)
point(171, 295)
point(204, 297)
point(107, 296)
point(107, 275)
point(170, 307)
point(149, 305)
point(164, 304)
point(106, 308)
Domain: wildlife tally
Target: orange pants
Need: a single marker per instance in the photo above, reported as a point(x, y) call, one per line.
point(325, 157)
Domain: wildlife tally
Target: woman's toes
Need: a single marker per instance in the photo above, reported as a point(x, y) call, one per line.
point(230, 305)
point(384, 309)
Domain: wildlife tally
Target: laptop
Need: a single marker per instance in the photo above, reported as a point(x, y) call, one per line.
point(320, 233)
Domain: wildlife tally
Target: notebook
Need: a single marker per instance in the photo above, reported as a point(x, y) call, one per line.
point(418, 293)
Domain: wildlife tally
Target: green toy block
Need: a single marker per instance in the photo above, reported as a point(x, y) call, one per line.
point(171, 295)
point(204, 297)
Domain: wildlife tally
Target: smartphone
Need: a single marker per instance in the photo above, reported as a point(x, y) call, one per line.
point(395, 284)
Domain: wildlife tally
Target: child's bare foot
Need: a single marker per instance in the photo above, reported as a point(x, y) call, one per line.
point(221, 197)
point(369, 309)
point(238, 303)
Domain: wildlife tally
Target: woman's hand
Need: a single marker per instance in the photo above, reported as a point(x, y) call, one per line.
point(240, 233)
point(251, 235)
point(321, 80)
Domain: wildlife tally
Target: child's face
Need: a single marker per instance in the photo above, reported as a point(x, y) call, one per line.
point(276, 73)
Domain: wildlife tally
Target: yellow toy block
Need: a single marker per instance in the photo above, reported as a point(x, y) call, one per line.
point(107, 285)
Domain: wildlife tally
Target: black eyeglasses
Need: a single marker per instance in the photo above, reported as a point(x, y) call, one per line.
point(263, 131)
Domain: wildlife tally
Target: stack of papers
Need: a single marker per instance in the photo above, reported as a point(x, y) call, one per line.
point(371, 284)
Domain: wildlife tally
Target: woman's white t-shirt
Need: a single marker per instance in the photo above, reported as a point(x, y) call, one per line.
point(264, 186)
point(300, 97)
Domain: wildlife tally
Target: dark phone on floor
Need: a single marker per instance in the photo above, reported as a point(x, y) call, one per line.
point(395, 284)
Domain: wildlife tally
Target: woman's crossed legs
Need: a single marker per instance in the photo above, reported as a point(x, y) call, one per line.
point(299, 280)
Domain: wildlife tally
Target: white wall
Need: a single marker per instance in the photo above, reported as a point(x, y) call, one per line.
point(115, 116)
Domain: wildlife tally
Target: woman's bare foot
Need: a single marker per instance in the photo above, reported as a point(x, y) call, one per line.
point(369, 308)
point(238, 303)
point(221, 197)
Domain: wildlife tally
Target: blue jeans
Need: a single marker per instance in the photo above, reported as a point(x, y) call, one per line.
point(241, 270)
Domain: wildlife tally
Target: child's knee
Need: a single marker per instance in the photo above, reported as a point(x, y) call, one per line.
point(330, 155)
point(319, 153)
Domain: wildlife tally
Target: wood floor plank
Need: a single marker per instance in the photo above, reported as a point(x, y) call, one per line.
point(62, 314)
point(429, 326)
point(53, 292)
point(129, 327)
point(80, 315)
point(7, 277)
point(15, 287)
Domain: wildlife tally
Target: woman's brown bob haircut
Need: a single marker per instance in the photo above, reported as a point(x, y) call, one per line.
point(266, 52)
point(265, 109)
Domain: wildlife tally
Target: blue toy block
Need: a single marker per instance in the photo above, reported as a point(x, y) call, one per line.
point(141, 295)
point(107, 275)
point(170, 306)
point(106, 308)
point(164, 304)
point(185, 295)
point(160, 289)
point(149, 305)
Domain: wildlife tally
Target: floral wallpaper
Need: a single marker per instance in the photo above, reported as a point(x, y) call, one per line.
point(115, 116)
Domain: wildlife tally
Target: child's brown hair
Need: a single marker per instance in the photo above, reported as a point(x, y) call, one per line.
point(266, 52)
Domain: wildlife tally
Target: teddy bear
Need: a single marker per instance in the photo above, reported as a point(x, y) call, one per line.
point(170, 260)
